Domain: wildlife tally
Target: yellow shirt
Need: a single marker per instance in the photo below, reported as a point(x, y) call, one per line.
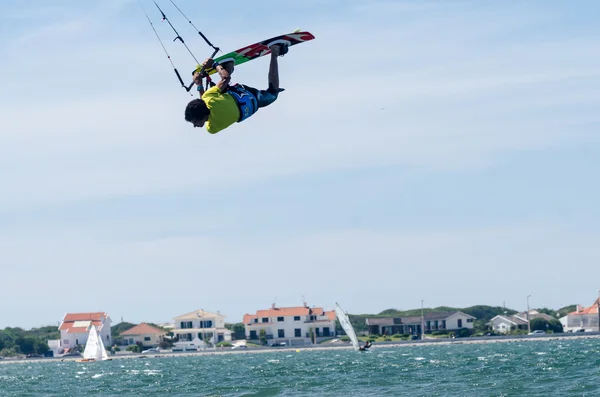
point(223, 110)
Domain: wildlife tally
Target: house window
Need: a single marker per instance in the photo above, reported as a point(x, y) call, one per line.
point(297, 332)
point(280, 319)
point(296, 318)
point(255, 320)
point(206, 324)
point(312, 318)
point(265, 319)
point(147, 339)
point(281, 333)
point(469, 320)
point(325, 331)
point(428, 325)
point(253, 335)
point(460, 323)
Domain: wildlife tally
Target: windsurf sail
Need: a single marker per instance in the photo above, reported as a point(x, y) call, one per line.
point(346, 325)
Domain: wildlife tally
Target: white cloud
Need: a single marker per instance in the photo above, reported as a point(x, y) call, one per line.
point(367, 270)
point(439, 90)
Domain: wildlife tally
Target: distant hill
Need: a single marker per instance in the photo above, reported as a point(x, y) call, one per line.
point(116, 329)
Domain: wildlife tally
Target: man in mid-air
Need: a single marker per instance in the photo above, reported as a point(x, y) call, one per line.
point(223, 104)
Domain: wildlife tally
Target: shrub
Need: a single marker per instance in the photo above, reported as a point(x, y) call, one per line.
point(165, 344)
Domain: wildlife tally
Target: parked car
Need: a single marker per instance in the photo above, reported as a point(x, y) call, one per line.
point(152, 350)
point(537, 332)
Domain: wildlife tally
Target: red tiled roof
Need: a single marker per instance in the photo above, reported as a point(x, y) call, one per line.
point(143, 329)
point(69, 326)
point(289, 311)
point(70, 319)
point(330, 315)
point(94, 316)
point(588, 310)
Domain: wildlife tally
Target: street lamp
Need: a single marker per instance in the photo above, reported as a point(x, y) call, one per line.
point(528, 323)
point(422, 322)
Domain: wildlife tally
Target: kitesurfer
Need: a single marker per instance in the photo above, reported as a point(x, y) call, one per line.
point(223, 104)
point(366, 346)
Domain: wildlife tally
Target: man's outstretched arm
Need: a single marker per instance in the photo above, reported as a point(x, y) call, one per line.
point(225, 76)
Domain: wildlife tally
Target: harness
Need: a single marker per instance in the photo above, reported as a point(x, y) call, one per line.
point(246, 101)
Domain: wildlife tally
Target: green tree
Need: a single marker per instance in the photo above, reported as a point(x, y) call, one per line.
point(547, 311)
point(27, 344)
point(263, 336)
point(540, 324)
point(563, 311)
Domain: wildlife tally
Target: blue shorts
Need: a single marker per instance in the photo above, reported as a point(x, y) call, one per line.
point(264, 97)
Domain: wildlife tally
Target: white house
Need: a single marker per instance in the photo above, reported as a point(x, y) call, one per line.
point(146, 334)
point(582, 319)
point(505, 324)
point(292, 325)
point(202, 325)
point(433, 321)
point(74, 330)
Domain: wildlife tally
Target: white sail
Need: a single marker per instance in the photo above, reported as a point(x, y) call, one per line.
point(347, 326)
point(102, 349)
point(94, 348)
point(91, 347)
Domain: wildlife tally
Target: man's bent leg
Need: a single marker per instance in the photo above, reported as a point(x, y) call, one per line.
point(276, 50)
point(264, 97)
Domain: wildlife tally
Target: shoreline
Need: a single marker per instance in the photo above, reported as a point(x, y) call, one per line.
point(429, 342)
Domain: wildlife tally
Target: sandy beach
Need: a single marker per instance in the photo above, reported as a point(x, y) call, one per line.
point(333, 346)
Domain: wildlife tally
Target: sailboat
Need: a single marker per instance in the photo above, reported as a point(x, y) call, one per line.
point(347, 326)
point(94, 348)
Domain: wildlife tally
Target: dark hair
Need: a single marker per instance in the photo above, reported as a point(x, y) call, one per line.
point(196, 110)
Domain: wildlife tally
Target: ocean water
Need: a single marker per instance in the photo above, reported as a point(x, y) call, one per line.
point(527, 368)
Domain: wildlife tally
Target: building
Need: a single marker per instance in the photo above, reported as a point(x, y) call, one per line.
point(433, 321)
point(74, 330)
point(585, 319)
point(146, 334)
point(504, 324)
point(291, 325)
point(202, 325)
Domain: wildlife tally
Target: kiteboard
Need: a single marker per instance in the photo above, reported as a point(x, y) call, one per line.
point(258, 50)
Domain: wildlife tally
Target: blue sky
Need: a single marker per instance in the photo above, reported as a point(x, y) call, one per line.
point(445, 151)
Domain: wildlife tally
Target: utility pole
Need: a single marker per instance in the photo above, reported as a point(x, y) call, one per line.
point(422, 322)
point(528, 322)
